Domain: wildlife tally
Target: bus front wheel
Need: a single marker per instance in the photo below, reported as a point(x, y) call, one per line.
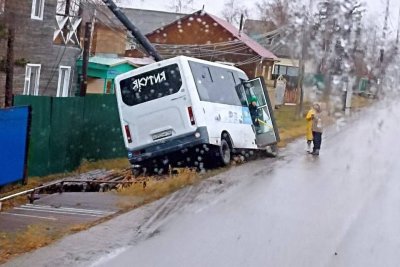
point(225, 153)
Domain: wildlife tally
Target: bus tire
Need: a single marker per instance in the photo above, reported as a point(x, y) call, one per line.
point(225, 153)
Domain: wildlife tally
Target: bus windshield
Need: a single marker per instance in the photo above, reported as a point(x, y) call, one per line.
point(151, 85)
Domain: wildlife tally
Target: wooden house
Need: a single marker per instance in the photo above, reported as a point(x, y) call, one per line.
point(203, 35)
point(46, 46)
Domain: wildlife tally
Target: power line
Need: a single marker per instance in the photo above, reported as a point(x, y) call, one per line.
point(196, 50)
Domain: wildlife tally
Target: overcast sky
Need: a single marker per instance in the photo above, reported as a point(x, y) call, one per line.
point(376, 8)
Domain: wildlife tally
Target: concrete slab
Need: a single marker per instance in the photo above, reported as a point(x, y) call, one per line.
point(63, 210)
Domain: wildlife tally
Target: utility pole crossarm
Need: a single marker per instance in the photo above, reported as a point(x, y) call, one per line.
point(133, 29)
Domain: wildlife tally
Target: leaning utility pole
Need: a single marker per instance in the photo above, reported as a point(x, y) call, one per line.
point(398, 31)
point(133, 29)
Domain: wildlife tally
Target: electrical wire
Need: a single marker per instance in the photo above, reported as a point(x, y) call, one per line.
point(232, 47)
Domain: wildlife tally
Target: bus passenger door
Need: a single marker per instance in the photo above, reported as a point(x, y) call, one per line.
point(267, 131)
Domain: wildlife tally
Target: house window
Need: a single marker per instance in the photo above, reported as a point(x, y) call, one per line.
point(74, 5)
point(32, 77)
point(64, 74)
point(67, 22)
point(37, 9)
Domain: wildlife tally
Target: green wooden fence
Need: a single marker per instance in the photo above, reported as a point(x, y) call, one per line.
point(67, 130)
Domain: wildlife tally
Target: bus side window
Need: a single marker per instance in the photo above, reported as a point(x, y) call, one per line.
point(242, 96)
point(203, 80)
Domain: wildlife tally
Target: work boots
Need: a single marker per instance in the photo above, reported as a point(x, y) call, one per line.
point(315, 152)
point(308, 147)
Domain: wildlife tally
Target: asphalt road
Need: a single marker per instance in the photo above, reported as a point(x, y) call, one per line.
point(339, 209)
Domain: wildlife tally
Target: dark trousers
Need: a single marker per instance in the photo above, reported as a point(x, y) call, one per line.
point(317, 139)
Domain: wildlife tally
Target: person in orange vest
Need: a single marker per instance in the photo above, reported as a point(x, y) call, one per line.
point(317, 128)
point(309, 133)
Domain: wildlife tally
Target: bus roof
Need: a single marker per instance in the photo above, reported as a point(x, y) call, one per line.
point(171, 61)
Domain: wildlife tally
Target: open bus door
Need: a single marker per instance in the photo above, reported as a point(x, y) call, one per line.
point(267, 132)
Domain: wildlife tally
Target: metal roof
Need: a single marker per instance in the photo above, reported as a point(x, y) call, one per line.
point(256, 47)
point(253, 45)
point(108, 61)
point(114, 61)
point(149, 20)
point(145, 20)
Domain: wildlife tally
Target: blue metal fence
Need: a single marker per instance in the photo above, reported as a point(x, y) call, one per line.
point(14, 126)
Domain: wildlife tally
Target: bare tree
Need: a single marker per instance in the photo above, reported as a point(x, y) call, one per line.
point(233, 11)
point(276, 11)
point(180, 6)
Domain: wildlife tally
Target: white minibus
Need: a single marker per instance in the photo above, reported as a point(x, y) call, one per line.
point(188, 111)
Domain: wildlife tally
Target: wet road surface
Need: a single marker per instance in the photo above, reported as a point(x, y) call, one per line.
point(339, 209)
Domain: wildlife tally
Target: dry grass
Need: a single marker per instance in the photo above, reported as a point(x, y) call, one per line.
point(149, 189)
point(290, 127)
point(33, 237)
point(359, 102)
point(152, 188)
point(110, 164)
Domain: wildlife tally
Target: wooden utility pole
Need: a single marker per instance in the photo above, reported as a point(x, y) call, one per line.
point(9, 66)
point(85, 58)
point(139, 36)
point(382, 50)
point(301, 73)
point(398, 31)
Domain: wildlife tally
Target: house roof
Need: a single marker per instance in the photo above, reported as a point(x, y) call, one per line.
point(253, 45)
point(256, 47)
point(145, 20)
point(114, 61)
point(149, 20)
point(108, 61)
point(140, 61)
